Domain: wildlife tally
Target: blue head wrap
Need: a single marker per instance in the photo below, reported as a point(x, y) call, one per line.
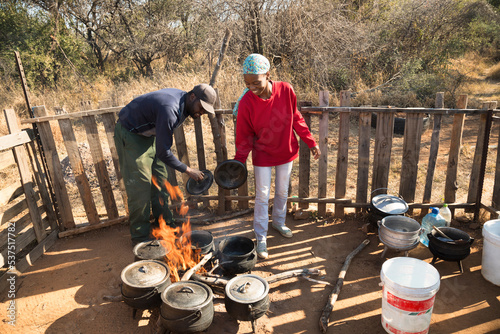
point(253, 64)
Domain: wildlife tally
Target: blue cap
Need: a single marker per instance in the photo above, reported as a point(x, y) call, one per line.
point(434, 209)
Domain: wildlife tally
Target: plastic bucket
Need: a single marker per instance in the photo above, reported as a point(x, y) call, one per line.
point(409, 287)
point(491, 251)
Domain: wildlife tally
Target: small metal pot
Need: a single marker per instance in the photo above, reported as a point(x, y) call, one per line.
point(247, 297)
point(399, 232)
point(201, 241)
point(384, 205)
point(187, 307)
point(150, 250)
point(142, 283)
point(237, 255)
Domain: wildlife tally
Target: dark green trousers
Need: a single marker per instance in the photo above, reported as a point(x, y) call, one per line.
point(138, 165)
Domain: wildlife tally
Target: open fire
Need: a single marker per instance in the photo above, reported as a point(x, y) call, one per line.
point(180, 255)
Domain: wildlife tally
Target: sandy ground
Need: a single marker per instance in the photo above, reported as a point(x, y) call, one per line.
point(64, 291)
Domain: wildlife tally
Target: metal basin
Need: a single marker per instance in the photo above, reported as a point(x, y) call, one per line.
point(399, 232)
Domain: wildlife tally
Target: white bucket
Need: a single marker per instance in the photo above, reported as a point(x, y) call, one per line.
point(409, 288)
point(491, 251)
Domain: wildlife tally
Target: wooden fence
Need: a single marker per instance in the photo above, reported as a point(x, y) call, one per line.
point(51, 208)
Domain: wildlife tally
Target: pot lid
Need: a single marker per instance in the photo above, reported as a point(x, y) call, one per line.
point(199, 187)
point(145, 274)
point(389, 204)
point(230, 174)
point(150, 250)
point(247, 289)
point(187, 295)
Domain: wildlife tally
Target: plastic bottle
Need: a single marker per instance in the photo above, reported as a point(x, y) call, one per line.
point(433, 218)
point(446, 214)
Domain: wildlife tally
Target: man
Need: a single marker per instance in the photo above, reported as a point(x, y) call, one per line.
point(143, 138)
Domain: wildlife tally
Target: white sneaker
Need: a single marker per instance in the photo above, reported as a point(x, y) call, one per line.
point(283, 230)
point(262, 250)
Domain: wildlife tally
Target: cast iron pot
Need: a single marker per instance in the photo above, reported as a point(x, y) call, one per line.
point(150, 250)
point(187, 307)
point(456, 248)
point(384, 205)
point(399, 232)
point(247, 297)
point(230, 174)
point(237, 255)
point(199, 187)
point(200, 240)
point(142, 283)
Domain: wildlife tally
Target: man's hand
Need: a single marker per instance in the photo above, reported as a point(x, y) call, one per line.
point(315, 152)
point(194, 174)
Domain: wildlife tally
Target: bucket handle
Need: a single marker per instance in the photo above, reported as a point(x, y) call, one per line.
point(399, 195)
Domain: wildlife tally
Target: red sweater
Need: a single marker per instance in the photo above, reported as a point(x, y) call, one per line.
point(266, 127)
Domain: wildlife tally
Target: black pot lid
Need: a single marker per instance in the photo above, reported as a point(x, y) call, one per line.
point(389, 204)
point(187, 295)
point(247, 289)
point(150, 250)
point(230, 174)
point(145, 274)
point(199, 187)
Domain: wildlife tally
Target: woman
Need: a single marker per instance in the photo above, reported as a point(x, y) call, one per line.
point(267, 117)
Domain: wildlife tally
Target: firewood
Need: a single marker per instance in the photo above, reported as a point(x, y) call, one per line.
point(327, 310)
point(187, 275)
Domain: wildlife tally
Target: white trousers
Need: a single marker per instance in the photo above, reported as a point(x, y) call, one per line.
point(262, 189)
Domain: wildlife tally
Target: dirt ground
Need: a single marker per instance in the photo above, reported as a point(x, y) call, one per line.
point(64, 291)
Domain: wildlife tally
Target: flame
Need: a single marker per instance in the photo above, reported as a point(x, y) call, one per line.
point(179, 254)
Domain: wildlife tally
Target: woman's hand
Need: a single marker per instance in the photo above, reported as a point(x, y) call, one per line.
point(315, 152)
point(194, 174)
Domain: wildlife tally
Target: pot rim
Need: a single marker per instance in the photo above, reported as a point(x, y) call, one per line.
point(377, 208)
point(411, 220)
point(225, 241)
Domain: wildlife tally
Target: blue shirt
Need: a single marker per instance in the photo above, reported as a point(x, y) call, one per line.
point(157, 114)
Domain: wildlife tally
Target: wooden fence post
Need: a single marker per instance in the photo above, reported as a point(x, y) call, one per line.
point(200, 150)
point(495, 201)
point(384, 133)
point(343, 152)
point(26, 178)
point(75, 160)
point(363, 157)
point(451, 186)
point(431, 166)
point(243, 190)
point(411, 154)
point(304, 161)
point(323, 159)
point(109, 122)
point(55, 170)
point(223, 204)
point(97, 154)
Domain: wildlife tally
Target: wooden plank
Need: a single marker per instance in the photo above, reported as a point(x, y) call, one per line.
point(109, 122)
point(495, 201)
point(14, 228)
point(8, 214)
point(411, 156)
point(41, 179)
point(243, 190)
point(363, 157)
point(14, 139)
point(200, 149)
point(75, 159)
point(304, 162)
point(87, 228)
point(11, 192)
point(224, 192)
point(90, 125)
point(476, 164)
point(382, 151)
point(182, 152)
point(390, 109)
point(343, 152)
point(451, 185)
point(323, 162)
point(6, 159)
point(55, 171)
point(29, 259)
point(26, 176)
point(433, 152)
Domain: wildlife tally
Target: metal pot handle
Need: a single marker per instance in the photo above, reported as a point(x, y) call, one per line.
point(399, 195)
point(379, 222)
point(197, 314)
point(186, 289)
point(243, 288)
point(147, 295)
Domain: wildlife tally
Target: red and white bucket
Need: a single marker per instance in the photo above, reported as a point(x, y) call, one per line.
point(409, 287)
